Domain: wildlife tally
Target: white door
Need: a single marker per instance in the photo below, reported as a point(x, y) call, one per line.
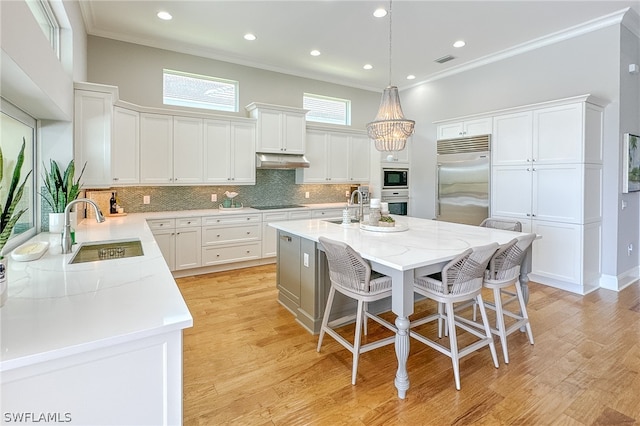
point(166, 240)
point(188, 163)
point(269, 131)
point(359, 159)
point(125, 147)
point(512, 139)
point(450, 130)
point(558, 134)
point(338, 160)
point(188, 248)
point(156, 148)
point(481, 126)
point(217, 151)
point(317, 156)
point(511, 192)
point(243, 148)
point(558, 193)
point(294, 129)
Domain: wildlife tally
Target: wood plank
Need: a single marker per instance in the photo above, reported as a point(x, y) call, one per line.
point(246, 361)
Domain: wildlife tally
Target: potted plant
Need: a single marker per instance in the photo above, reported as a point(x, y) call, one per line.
point(60, 190)
point(8, 214)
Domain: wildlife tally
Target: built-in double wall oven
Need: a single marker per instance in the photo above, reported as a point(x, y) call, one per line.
point(395, 190)
point(398, 200)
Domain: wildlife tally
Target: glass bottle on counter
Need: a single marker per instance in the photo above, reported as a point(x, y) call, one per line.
point(374, 211)
point(113, 204)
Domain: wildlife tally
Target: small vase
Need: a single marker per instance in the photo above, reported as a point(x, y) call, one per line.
point(4, 280)
point(56, 222)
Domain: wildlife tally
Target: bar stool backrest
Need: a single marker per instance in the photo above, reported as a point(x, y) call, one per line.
point(347, 268)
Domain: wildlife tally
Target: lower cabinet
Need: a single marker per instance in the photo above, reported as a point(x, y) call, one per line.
point(179, 240)
point(228, 239)
point(270, 235)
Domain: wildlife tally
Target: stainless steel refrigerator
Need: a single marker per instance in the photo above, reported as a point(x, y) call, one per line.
point(463, 179)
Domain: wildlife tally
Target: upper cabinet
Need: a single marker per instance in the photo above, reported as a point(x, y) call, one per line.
point(93, 115)
point(125, 144)
point(229, 148)
point(336, 156)
point(459, 129)
point(125, 147)
point(280, 129)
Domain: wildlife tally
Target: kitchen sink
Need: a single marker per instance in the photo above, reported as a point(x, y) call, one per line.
point(105, 250)
point(339, 221)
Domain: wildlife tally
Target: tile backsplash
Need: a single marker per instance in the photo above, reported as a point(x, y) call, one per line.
point(273, 187)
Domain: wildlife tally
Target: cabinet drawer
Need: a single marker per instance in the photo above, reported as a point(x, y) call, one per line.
point(215, 235)
point(272, 217)
point(157, 224)
point(230, 220)
point(327, 213)
point(300, 215)
point(188, 221)
point(214, 255)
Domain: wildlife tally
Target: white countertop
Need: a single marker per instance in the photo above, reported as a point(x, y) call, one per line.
point(425, 242)
point(56, 309)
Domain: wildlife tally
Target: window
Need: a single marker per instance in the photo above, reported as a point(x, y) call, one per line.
point(14, 126)
point(199, 91)
point(41, 10)
point(323, 109)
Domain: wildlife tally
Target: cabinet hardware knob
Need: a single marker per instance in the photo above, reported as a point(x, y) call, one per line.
point(217, 255)
point(528, 214)
point(248, 232)
point(248, 251)
point(218, 236)
point(115, 178)
point(528, 169)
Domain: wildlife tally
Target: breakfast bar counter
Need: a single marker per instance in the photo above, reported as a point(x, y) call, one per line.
point(423, 248)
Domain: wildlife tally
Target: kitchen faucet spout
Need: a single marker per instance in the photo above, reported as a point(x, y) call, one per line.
point(66, 232)
point(360, 213)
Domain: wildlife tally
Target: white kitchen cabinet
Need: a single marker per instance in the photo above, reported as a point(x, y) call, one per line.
point(164, 232)
point(179, 241)
point(156, 149)
point(229, 152)
point(395, 158)
point(270, 234)
point(125, 147)
point(280, 129)
point(229, 239)
point(512, 139)
point(332, 213)
point(459, 129)
point(188, 163)
point(93, 115)
point(335, 157)
point(359, 159)
point(547, 173)
point(171, 149)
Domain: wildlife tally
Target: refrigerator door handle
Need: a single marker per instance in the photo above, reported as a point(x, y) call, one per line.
point(438, 189)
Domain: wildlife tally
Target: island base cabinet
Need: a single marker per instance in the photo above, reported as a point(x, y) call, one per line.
point(288, 270)
point(567, 256)
point(137, 382)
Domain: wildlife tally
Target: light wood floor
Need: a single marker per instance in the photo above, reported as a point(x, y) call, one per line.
point(247, 362)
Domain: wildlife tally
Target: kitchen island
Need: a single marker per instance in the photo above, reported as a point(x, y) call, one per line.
point(423, 248)
point(97, 342)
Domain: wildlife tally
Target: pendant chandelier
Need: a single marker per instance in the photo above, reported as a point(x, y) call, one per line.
point(390, 129)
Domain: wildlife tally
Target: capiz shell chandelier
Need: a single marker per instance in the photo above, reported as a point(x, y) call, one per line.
point(390, 129)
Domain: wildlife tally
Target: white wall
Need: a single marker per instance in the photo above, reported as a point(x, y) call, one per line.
point(137, 71)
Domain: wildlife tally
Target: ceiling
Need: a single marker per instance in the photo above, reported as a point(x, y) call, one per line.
point(345, 32)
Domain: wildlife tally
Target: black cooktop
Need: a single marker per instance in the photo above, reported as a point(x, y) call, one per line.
point(282, 206)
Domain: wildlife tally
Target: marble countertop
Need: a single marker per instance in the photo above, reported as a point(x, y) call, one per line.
point(424, 242)
point(57, 309)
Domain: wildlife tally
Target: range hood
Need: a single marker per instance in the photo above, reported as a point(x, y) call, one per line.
point(281, 161)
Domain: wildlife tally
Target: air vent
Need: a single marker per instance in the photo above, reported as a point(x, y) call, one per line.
point(444, 59)
point(467, 144)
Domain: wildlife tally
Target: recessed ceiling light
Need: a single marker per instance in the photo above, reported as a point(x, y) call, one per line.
point(459, 43)
point(249, 37)
point(411, 77)
point(165, 16)
point(315, 53)
point(368, 67)
point(380, 13)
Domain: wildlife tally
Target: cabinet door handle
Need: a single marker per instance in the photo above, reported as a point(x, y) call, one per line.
point(218, 236)
point(248, 232)
point(285, 238)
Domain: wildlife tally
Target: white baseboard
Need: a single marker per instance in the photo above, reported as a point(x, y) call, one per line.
point(621, 281)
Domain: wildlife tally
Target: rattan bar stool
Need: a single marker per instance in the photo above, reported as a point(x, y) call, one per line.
point(503, 273)
point(461, 281)
point(507, 225)
point(351, 275)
